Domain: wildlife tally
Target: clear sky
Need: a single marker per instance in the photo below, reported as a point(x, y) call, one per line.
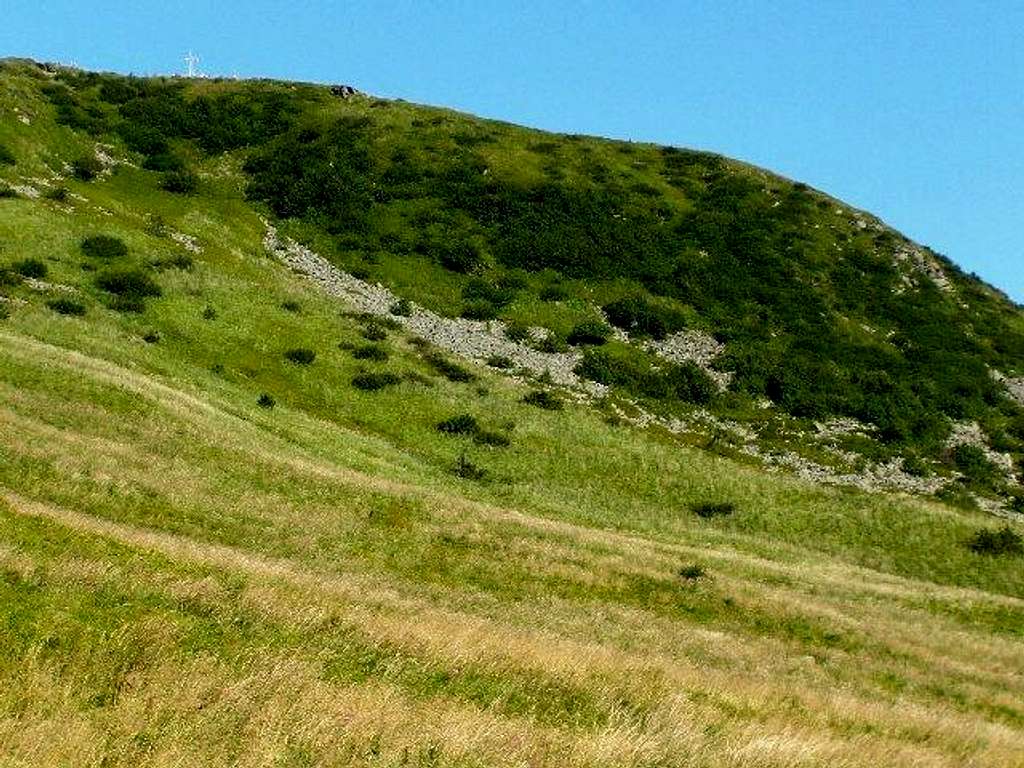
point(911, 110)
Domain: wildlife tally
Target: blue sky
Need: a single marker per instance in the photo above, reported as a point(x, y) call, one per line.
point(913, 110)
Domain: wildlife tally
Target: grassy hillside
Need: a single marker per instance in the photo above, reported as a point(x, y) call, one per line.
point(233, 533)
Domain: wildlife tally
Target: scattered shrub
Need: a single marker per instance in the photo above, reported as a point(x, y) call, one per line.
point(460, 257)
point(8, 277)
point(551, 344)
point(66, 307)
point(104, 247)
point(543, 399)
point(6, 156)
point(7, 192)
point(179, 182)
point(975, 466)
point(181, 261)
point(463, 424)
point(692, 572)
point(516, 331)
point(554, 292)
point(480, 310)
point(30, 268)
point(86, 167)
point(128, 281)
point(492, 439)
point(467, 470)
point(370, 382)
point(709, 509)
point(374, 352)
point(265, 401)
point(401, 308)
point(500, 361)
point(592, 332)
point(209, 313)
point(641, 317)
point(499, 294)
point(57, 194)
point(374, 332)
point(418, 378)
point(1004, 541)
point(151, 337)
point(300, 356)
point(448, 369)
point(4, 311)
point(290, 305)
point(164, 162)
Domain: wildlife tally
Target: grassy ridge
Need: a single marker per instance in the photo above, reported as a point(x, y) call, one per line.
point(187, 577)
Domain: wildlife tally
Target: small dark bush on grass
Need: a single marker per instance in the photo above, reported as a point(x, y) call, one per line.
point(57, 194)
point(517, 331)
point(692, 572)
point(300, 356)
point(209, 313)
point(551, 344)
point(7, 192)
point(463, 424)
point(593, 332)
point(638, 315)
point(500, 293)
point(151, 337)
point(460, 257)
point(1005, 541)
point(448, 369)
point(8, 277)
point(180, 261)
point(179, 182)
point(709, 509)
point(374, 352)
point(6, 156)
point(373, 332)
point(500, 361)
point(265, 401)
point(104, 247)
point(66, 307)
point(480, 310)
point(30, 268)
point(975, 465)
point(129, 281)
point(165, 162)
point(544, 399)
point(370, 382)
point(554, 292)
point(86, 168)
point(291, 306)
point(4, 311)
point(492, 439)
point(401, 308)
point(467, 470)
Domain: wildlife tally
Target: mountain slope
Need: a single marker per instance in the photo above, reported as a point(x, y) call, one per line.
point(214, 550)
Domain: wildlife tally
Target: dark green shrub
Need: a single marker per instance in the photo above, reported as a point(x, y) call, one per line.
point(460, 257)
point(463, 424)
point(492, 439)
point(265, 401)
point(641, 317)
point(6, 156)
point(692, 572)
point(554, 292)
point(709, 509)
point(128, 281)
point(151, 337)
point(516, 331)
point(86, 168)
point(4, 311)
point(448, 369)
point(1005, 541)
point(179, 182)
point(291, 305)
point(209, 313)
point(164, 162)
point(500, 293)
point(104, 247)
point(479, 310)
point(975, 466)
point(544, 399)
point(7, 192)
point(402, 308)
point(374, 352)
point(501, 362)
point(551, 344)
point(370, 382)
point(8, 277)
point(467, 470)
point(300, 356)
point(57, 194)
point(589, 332)
point(180, 261)
point(66, 307)
point(30, 268)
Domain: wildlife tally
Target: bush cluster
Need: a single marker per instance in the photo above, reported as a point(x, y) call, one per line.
point(64, 306)
point(1004, 541)
point(30, 268)
point(104, 247)
point(450, 370)
point(374, 352)
point(590, 333)
point(372, 381)
point(710, 509)
point(6, 156)
point(680, 381)
point(86, 167)
point(300, 356)
point(544, 399)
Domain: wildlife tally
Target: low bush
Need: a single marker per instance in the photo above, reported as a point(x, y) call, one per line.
point(554, 292)
point(467, 470)
point(128, 281)
point(151, 337)
point(179, 182)
point(448, 369)
point(86, 167)
point(460, 257)
point(971, 461)
point(209, 313)
point(516, 331)
point(181, 261)
point(290, 305)
point(30, 268)
point(642, 317)
point(490, 438)
point(684, 381)
point(164, 162)
point(374, 332)
point(544, 399)
point(709, 509)
point(692, 572)
point(401, 308)
point(104, 247)
point(370, 382)
point(67, 307)
point(57, 194)
point(480, 310)
point(374, 352)
point(265, 401)
point(300, 356)
point(1004, 541)
point(7, 192)
point(8, 277)
point(500, 361)
point(463, 424)
point(6, 156)
point(551, 344)
point(589, 332)
point(499, 294)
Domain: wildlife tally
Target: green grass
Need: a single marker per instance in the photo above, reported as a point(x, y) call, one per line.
point(187, 577)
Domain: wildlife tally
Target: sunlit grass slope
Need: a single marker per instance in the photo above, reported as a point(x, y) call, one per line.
point(190, 578)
